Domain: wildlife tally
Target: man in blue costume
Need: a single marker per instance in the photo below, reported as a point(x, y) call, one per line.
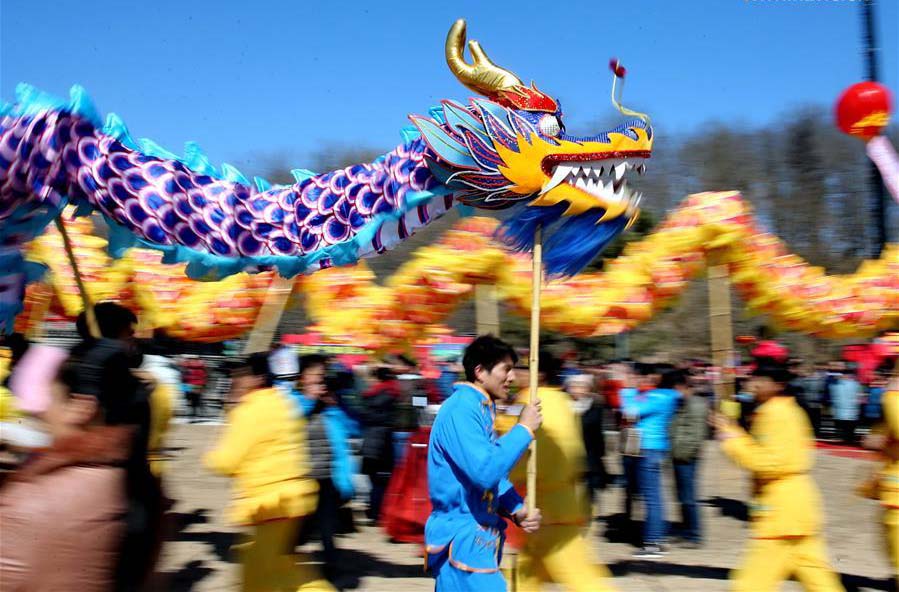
point(468, 468)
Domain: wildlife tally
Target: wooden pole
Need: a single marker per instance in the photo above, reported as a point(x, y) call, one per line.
point(486, 309)
point(720, 325)
point(534, 360)
point(79, 281)
point(721, 333)
point(269, 317)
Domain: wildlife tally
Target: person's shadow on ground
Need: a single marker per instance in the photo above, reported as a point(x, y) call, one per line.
point(854, 583)
point(654, 568)
point(661, 568)
point(221, 542)
point(353, 565)
point(730, 508)
point(618, 529)
point(185, 578)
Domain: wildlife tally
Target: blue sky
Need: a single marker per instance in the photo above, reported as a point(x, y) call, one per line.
point(288, 77)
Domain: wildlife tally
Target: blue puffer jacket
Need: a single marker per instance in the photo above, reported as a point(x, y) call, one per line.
point(654, 411)
point(339, 428)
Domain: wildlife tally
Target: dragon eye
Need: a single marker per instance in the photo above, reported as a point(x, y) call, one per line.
point(549, 126)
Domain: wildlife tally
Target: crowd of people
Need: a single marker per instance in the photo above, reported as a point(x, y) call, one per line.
point(664, 419)
point(90, 450)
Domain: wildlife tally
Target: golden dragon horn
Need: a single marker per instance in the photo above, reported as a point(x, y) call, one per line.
point(483, 76)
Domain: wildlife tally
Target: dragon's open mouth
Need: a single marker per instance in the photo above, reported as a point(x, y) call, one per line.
point(602, 175)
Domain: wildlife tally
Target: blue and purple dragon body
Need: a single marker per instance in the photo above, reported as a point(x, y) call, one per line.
point(508, 150)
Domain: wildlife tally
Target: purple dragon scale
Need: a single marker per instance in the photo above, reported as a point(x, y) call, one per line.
point(165, 202)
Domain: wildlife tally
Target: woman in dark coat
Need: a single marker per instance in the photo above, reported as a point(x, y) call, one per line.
point(378, 414)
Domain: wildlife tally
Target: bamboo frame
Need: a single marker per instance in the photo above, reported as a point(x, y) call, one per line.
point(486, 309)
point(263, 332)
point(534, 361)
point(79, 281)
point(721, 325)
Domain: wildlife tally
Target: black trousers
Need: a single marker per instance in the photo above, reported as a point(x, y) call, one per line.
point(141, 544)
point(379, 472)
point(195, 400)
point(847, 430)
point(814, 416)
point(327, 519)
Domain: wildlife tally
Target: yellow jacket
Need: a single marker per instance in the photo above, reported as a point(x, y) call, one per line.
point(561, 462)
point(889, 476)
point(780, 452)
point(8, 408)
point(161, 402)
point(264, 449)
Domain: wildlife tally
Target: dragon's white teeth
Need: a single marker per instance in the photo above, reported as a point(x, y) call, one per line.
point(633, 202)
point(559, 175)
point(604, 179)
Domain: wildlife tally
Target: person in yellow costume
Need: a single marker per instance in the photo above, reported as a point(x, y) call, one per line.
point(263, 450)
point(161, 403)
point(155, 372)
point(558, 552)
point(12, 348)
point(888, 482)
point(786, 510)
point(8, 408)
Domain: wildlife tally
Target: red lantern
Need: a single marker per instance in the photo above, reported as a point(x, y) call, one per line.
point(864, 109)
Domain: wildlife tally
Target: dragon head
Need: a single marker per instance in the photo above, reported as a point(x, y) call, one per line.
point(511, 150)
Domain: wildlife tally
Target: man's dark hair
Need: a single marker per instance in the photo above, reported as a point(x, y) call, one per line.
point(113, 319)
point(775, 369)
point(486, 351)
point(662, 368)
point(255, 364)
point(673, 378)
point(340, 383)
point(645, 369)
point(551, 368)
point(311, 360)
point(383, 373)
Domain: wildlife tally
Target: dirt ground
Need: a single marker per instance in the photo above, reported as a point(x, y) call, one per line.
point(198, 556)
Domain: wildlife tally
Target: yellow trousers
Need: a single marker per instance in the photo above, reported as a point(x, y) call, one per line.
point(768, 562)
point(558, 554)
point(269, 564)
point(891, 526)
